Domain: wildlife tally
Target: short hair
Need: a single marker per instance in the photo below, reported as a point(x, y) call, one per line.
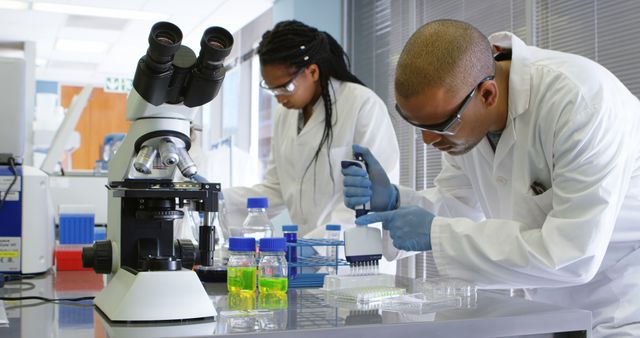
point(443, 53)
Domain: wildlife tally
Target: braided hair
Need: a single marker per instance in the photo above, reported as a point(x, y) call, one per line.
point(292, 43)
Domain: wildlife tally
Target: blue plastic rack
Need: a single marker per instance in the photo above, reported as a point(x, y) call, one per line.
point(306, 277)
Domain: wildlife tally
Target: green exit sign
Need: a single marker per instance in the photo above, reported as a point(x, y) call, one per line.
point(117, 85)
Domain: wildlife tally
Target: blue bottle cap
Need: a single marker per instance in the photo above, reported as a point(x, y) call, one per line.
point(333, 227)
point(272, 244)
point(290, 228)
point(242, 244)
point(257, 202)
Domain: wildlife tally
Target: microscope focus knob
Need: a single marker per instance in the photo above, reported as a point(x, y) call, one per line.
point(187, 252)
point(99, 256)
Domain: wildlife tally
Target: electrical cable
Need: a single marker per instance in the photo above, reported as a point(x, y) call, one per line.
point(51, 300)
point(12, 162)
point(13, 278)
point(31, 286)
point(28, 287)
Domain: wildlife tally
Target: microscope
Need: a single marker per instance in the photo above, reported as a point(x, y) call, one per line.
point(150, 274)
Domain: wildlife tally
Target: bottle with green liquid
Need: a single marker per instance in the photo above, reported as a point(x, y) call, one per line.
point(241, 269)
point(273, 266)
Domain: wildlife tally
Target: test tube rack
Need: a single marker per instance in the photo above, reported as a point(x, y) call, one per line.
point(306, 277)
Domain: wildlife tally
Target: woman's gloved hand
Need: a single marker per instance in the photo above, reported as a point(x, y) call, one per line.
point(409, 227)
point(374, 187)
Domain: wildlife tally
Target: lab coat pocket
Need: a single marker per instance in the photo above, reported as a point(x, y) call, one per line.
point(545, 201)
point(533, 209)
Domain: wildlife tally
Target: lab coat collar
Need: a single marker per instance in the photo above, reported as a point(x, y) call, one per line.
point(520, 73)
point(519, 88)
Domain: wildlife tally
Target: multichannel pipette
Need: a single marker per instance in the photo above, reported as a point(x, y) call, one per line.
point(362, 244)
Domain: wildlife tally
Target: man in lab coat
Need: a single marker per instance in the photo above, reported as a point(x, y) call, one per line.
point(540, 186)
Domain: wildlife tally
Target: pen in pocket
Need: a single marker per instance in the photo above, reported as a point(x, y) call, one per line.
point(538, 188)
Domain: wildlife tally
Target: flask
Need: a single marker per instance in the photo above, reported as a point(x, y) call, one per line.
point(332, 233)
point(291, 236)
point(273, 266)
point(257, 224)
point(187, 226)
point(241, 269)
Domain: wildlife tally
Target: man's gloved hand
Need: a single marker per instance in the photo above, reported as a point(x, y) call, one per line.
point(409, 227)
point(360, 188)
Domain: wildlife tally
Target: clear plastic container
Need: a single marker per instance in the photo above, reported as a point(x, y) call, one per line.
point(257, 225)
point(339, 282)
point(436, 289)
point(273, 266)
point(290, 233)
point(332, 232)
point(364, 295)
point(241, 268)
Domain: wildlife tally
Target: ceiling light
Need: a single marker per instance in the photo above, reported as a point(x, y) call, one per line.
point(97, 11)
point(78, 46)
point(14, 4)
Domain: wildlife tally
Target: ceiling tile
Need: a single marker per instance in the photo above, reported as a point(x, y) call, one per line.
point(92, 22)
point(127, 38)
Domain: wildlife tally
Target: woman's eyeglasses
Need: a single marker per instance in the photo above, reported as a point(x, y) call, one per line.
point(451, 125)
point(285, 89)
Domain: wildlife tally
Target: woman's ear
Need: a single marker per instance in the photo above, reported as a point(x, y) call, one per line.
point(314, 71)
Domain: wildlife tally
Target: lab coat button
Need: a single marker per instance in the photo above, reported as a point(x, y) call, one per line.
point(501, 180)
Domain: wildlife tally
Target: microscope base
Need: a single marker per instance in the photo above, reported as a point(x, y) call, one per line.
point(154, 296)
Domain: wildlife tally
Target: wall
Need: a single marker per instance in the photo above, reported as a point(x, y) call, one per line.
point(325, 15)
point(104, 114)
point(25, 50)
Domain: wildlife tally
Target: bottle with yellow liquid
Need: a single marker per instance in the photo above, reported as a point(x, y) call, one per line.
point(241, 269)
point(276, 303)
point(273, 266)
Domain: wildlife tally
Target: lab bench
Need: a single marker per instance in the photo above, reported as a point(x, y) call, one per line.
point(304, 313)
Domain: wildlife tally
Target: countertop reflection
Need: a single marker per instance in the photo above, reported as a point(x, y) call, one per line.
point(301, 313)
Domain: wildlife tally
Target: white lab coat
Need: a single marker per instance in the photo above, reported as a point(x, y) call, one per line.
point(312, 200)
point(574, 128)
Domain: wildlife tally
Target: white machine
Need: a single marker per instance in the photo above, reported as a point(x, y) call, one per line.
point(74, 188)
point(27, 231)
point(151, 277)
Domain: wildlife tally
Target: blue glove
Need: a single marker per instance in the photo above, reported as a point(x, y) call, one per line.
point(360, 187)
point(409, 227)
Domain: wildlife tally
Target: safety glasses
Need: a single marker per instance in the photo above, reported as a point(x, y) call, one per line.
point(285, 89)
point(452, 124)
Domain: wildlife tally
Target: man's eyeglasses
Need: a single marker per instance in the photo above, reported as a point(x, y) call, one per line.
point(451, 125)
point(285, 89)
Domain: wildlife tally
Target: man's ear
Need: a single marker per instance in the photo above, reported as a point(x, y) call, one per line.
point(489, 93)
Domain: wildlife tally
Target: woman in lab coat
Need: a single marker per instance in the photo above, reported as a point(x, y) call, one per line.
point(324, 110)
point(544, 193)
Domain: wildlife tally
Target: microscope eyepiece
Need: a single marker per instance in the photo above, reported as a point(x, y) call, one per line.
point(207, 76)
point(164, 42)
point(170, 73)
point(215, 45)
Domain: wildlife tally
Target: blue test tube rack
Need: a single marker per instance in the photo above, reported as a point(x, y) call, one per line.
point(306, 277)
